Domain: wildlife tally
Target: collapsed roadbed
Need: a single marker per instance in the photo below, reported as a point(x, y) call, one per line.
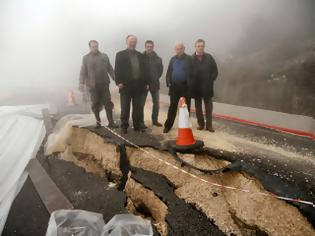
point(178, 204)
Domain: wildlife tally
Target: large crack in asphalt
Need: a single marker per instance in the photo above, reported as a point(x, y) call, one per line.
point(216, 210)
point(272, 183)
point(182, 218)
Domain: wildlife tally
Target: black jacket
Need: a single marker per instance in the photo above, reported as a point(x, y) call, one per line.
point(154, 68)
point(184, 88)
point(123, 72)
point(205, 72)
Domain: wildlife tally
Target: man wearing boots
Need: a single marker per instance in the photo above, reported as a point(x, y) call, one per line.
point(94, 74)
point(206, 72)
point(131, 80)
point(154, 69)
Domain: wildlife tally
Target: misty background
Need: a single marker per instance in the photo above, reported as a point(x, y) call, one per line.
point(265, 49)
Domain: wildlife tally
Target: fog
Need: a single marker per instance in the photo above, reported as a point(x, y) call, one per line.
point(42, 42)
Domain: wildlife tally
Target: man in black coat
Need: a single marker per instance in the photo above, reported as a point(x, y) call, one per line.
point(154, 68)
point(131, 81)
point(206, 72)
point(179, 79)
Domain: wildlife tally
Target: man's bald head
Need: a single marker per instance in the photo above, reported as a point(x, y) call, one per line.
point(179, 48)
point(131, 42)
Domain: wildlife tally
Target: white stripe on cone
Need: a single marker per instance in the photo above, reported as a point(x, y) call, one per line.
point(184, 120)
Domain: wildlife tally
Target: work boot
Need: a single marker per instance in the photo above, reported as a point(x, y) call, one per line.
point(98, 124)
point(139, 130)
point(98, 119)
point(200, 127)
point(209, 126)
point(156, 123)
point(143, 126)
point(166, 130)
point(111, 123)
point(210, 129)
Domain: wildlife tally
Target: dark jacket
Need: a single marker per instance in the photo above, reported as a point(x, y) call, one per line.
point(185, 87)
point(123, 72)
point(95, 69)
point(205, 72)
point(154, 68)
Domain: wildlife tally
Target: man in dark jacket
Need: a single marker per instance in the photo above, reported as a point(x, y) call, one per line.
point(206, 72)
point(179, 78)
point(131, 81)
point(154, 68)
point(94, 75)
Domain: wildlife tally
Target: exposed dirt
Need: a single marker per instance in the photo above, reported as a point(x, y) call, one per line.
point(218, 203)
point(233, 212)
point(105, 154)
point(176, 203)
point(182, 218)
point(142, 201)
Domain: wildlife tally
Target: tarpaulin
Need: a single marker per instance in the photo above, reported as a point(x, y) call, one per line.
point(21, 133)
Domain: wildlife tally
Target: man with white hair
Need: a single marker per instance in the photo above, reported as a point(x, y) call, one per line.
point(179, 79)
point(131, 80)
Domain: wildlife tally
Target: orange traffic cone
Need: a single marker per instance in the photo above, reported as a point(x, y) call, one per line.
point(185, 136)
point(185, 139)
point(71, 98)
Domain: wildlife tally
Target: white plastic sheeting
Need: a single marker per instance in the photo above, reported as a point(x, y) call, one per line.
point(75, 222)
point(58, 139)
point(21, 133)
point(127, 225)
point(85, 223)
point(27, 110)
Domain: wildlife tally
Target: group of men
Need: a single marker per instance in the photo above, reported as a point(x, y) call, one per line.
point(138, 73)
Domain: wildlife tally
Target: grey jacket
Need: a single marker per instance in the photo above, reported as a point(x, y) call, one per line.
point(95, 69)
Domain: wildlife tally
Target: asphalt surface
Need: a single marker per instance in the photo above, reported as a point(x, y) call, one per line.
point(86, 191)
point(284, 175)
point(289, 177)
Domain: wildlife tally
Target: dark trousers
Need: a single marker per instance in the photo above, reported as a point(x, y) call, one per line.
point(126, 98)
point(172, 110)
point(199, 112)
point(156, 104)
point(100, 96)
